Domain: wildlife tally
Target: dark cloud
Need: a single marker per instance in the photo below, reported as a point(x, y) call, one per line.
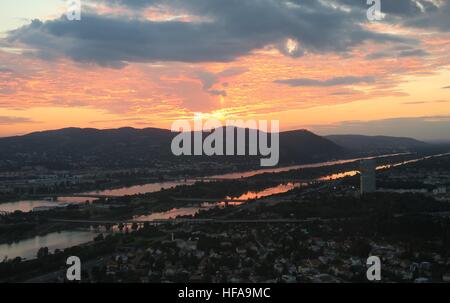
point(425, 102)
point(210, 79)
point(398, 52)
point(395, 7)
point(379, 55)
point(330, 82)
point(136, 4)
point(5, 70)
point(433, 16)
point(446, 87)
point(413, 53)
point(114, 41)
point(215, 92)
point(120, 120)
point(7, 90)
point(422, 128)
point(415, 102)
point(346, 92)
point(411, 13)
point(235, 28)
point(7, 120)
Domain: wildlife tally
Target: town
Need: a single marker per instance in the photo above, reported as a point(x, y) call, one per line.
point(323, 231)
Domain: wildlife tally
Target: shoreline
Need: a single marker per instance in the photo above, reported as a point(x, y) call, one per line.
point(246, 171)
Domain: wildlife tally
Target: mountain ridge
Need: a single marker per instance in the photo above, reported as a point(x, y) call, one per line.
point(378, 143)
point(133, 147)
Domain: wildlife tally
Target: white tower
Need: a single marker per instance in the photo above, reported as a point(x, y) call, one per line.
point(367, 175)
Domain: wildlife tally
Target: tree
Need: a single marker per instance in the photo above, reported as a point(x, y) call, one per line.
point(99, 238)
point(360, 248)
point(121, 226)
point(42, 252)
point(134, 226)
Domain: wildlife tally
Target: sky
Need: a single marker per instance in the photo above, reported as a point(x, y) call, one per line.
point(313, 64)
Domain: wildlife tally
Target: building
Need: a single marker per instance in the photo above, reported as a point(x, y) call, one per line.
point(367, 176)
point(441, 190)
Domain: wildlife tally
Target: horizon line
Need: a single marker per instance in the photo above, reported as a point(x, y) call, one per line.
point(169, 130)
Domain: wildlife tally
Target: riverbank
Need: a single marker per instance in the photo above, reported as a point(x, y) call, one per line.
point(161, 202)
point(151, 183)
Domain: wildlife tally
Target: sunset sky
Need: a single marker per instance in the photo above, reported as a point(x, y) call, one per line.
point(314, 64)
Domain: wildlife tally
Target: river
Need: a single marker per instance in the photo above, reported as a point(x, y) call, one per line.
point(57, 240)
point(28, 205)
point(153, 187)
point(28, 248)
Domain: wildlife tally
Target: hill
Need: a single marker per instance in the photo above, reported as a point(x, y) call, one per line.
point(128, 147)
point(378, 144)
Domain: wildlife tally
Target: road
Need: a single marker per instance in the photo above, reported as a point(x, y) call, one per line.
point(188, 221)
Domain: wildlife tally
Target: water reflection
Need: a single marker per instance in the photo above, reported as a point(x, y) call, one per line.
point(153, 187)
point(410, 161)
point(28, 248)
point(140, 189)
point(171, 214)
point(293, 167)
point(281, 188)
point(191, 211)
point(57, 240)
point(75, 199)
point(30, 205)
point(340, 175)
point(25, 205)
point(352, 173)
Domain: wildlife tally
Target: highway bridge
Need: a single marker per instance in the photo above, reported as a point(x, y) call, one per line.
point(187, 221)
point(210, 200)
point(283, 180)
point(94, 196)
point(56, 196)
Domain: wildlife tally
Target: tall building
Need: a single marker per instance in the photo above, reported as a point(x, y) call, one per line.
point(367, 175)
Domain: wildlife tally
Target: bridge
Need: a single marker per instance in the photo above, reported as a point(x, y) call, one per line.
point(220, 221)
point(56, 196)
point(211, 200)
point(211, 179)
point(193, 200)
point(187, 221)
point(278, 180)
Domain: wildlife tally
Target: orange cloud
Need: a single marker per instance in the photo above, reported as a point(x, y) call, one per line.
point(156, 93)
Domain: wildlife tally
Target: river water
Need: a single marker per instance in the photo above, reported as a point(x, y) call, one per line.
point(140, 189)
point(28, 205)
point(28, 248)
point(153, 187)
point(57, 240)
